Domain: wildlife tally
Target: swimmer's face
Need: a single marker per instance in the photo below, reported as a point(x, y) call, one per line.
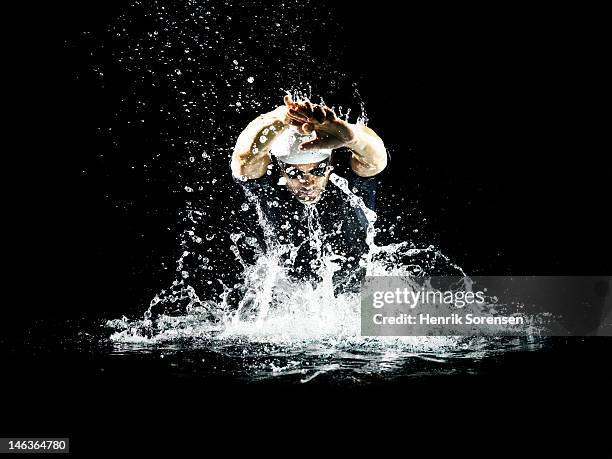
point(306, 181)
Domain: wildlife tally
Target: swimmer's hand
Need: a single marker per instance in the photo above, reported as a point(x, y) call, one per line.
point(332, 132)
point(369, 156)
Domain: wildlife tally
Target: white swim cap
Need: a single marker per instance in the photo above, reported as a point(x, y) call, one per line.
point(285, 148)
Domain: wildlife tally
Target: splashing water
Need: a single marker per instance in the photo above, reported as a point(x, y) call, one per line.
point(285, 326)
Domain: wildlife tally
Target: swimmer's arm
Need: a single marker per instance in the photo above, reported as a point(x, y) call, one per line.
point(369, 153)
point(251, 156)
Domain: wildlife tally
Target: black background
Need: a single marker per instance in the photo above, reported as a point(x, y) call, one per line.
point(494, 117)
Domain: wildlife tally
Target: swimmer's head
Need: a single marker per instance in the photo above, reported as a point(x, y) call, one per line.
point(306, 172)
point(306, 181)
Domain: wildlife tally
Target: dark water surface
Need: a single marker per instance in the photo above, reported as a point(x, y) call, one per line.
point(71, 353)
point(70, 379)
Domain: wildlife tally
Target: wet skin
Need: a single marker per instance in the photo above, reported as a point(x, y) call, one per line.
point(302, 181)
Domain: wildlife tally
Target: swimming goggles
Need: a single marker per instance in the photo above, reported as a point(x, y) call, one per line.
point(294, 173)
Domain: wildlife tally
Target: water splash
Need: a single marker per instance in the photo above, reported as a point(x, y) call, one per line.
point(269, 305)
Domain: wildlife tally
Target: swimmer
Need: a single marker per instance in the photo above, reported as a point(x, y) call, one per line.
point(302, 137)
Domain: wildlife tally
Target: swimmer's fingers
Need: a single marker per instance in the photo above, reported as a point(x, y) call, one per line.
point(301, 109)
point(326, 142)
point(292, 105)
point(317, 118)
point(305, 108)
point(307, 128)
point(314, 112)
point(295, 115)
point(304, 128)
point(330, 115)
point(319, 113)
point(288, 101)
point(296, 124)
point(309, 108)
